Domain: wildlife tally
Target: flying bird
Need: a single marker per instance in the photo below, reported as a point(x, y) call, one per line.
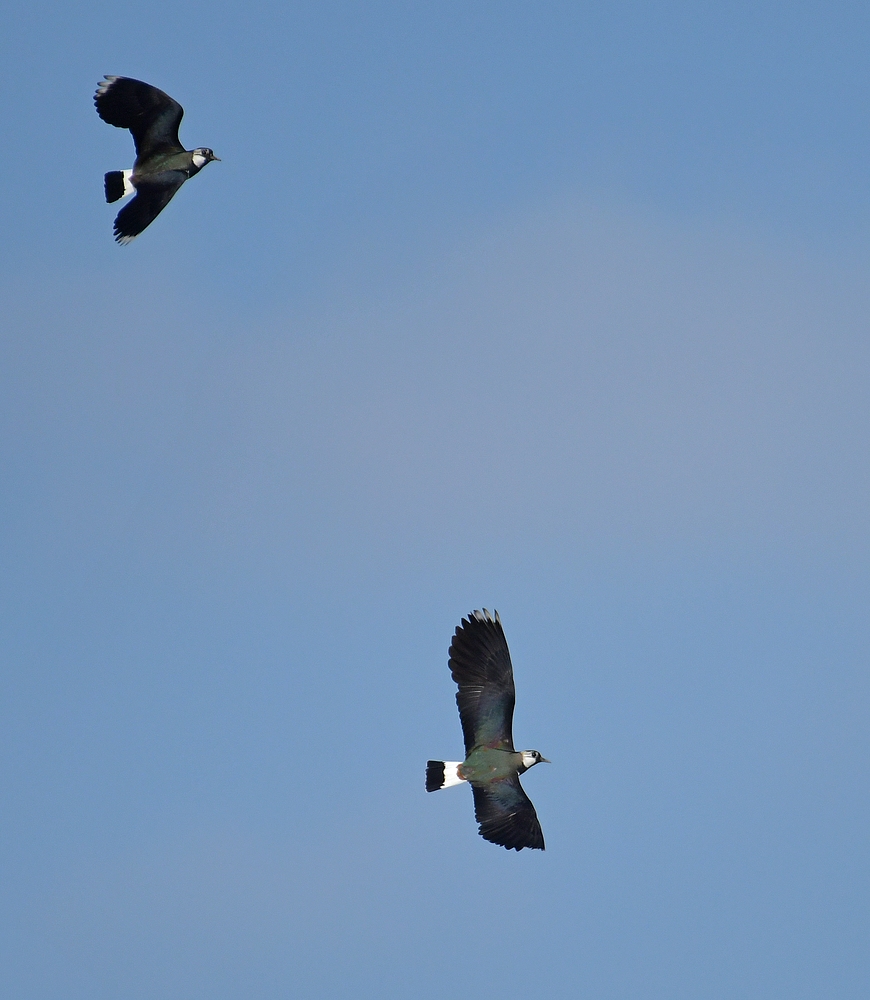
point(481, 665)
point(162, 163)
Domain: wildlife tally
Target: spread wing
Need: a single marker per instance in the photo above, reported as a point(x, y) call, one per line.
point(506, 815)
point(151, 198)
point(481, 665)
point(152, 116)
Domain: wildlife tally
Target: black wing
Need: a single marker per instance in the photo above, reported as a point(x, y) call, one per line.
point(152, 116)
point(506, 815)
point(481, 665)
point(149, 202)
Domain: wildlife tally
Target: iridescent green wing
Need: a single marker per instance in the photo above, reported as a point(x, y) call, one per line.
point(506, 815)
point(152, 116)
point(481, 665)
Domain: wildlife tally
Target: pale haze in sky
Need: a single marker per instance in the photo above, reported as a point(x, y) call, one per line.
point(554, 309)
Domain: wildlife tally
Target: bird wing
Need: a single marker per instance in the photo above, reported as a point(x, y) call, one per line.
point(506, 815)
point(481, 665)
point(151, 198)
point(152, 116)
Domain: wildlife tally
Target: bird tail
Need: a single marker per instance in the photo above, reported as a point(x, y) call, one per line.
point(118, 185)
point(442, 774)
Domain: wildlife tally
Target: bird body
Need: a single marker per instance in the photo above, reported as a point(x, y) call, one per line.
point(481, 666)
point(162, 163)
point(486, 764)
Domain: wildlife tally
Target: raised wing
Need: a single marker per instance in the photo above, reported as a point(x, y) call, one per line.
point(152, 116)
point(506, 815)
point(149, 202)
point(481, 665)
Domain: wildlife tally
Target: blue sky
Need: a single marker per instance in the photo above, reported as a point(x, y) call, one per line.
point(560, 311)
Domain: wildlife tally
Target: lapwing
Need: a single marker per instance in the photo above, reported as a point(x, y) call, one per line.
point(481, 665)
point(162, 163)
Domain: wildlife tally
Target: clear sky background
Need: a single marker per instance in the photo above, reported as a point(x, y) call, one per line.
point(559, 309)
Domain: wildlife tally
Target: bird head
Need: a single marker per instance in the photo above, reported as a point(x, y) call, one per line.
point(532, 757)
point(203, 155)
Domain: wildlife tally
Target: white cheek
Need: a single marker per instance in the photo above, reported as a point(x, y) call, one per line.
point(199, 161)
